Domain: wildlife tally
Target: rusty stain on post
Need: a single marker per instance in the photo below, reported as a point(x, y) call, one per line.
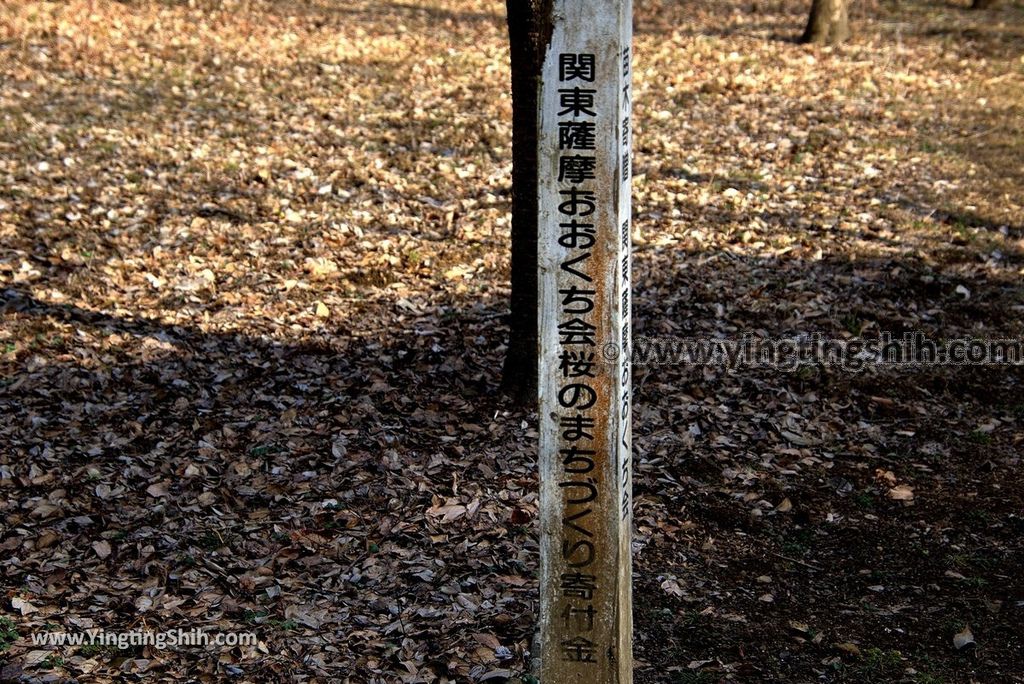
point(585, 441)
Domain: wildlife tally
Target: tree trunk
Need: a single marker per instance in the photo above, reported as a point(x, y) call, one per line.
point(983, 4)
point(829, 23)
point(529, 30)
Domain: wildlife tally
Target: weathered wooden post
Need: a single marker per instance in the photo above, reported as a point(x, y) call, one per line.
point(583, 254)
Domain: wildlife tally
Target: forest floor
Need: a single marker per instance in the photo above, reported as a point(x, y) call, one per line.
point(253, 279)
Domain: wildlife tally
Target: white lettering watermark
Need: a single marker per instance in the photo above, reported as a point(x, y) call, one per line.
point(791, 353)
point(173, 638)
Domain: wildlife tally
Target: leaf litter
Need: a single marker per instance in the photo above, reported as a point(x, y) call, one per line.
point(254, 274)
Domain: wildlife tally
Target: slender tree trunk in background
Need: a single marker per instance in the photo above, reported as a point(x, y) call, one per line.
point(984, 4)
point(529, 30)
point(829, 23)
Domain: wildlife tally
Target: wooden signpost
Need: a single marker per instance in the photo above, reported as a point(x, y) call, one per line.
point(584, 272)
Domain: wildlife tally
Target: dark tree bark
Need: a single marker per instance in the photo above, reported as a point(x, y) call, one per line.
point(983, 4)
point(529, 31)
point(829, 23)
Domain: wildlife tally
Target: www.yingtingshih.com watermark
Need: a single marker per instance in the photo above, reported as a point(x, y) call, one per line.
point(810, 349)
point(174, 638)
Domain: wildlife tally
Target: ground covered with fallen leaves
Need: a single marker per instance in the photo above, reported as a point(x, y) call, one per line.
point(253, 287)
